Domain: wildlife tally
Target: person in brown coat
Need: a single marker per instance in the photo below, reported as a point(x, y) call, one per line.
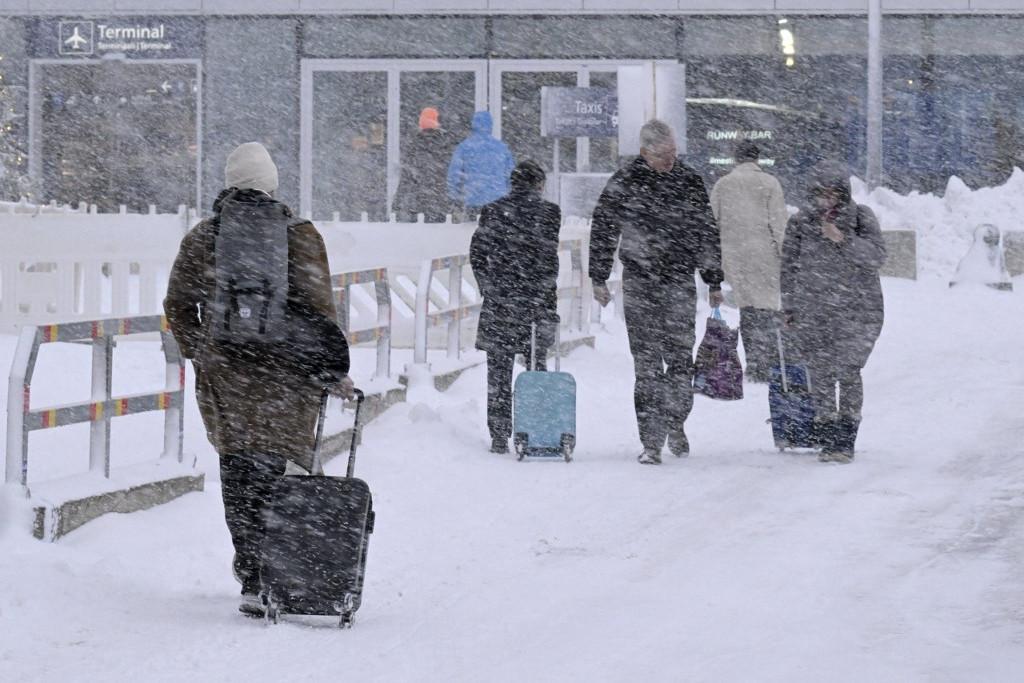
point(257, 415)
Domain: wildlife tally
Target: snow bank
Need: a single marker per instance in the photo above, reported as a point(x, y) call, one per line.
point(945, 225)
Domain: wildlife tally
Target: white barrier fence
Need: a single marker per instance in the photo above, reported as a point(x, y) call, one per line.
point(69, 265)
point(64, 265)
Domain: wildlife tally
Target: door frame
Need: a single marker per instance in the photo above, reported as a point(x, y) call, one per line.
point(35, 112)
point(394, 69)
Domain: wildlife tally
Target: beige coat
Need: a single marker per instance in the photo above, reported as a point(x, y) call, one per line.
point(752, 216)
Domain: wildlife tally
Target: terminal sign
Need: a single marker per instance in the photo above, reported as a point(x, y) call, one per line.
point(151, 37)
point(579, 113)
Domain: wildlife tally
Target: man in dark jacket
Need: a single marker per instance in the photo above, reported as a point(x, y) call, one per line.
point(257, 415)
point(514, 254)
point(655, 211)
point(423, 183)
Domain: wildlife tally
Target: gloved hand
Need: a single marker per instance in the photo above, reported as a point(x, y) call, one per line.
point(343, 388)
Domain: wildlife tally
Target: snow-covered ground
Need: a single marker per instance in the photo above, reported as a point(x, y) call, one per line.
point(738, 563)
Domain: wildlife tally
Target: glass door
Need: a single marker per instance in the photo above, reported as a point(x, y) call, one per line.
point(350, 144)
point(116, 132)
point(358, 118)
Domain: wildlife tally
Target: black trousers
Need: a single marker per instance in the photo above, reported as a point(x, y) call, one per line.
point(660, 322)
point(499, 390)
point(247, 484)
point(757, 329)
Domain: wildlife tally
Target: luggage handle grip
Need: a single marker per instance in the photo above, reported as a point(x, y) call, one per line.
point(318, 468)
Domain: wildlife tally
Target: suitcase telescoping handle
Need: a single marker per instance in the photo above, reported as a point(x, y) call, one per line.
point(782, 362)
point(533, 346)
point(318, 467)
point(355, 435)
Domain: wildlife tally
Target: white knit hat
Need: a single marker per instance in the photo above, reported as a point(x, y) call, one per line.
point(249, 166)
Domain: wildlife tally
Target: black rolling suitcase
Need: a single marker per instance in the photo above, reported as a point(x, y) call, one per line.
point(318, 529)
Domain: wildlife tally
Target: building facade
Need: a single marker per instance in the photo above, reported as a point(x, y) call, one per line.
point(138, 103)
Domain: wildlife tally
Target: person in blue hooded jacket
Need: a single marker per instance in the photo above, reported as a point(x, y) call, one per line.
point(480, 167)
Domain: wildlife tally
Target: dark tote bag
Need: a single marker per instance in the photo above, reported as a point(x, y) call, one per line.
point(717, 370)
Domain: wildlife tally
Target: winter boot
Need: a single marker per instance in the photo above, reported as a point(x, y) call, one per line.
point(650, 456)
point(840, 450)
point(678, 444)
point(251, 605)
point(823, 432)
point(846, 435)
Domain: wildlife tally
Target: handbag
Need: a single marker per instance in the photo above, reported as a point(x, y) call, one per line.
point(717, 371)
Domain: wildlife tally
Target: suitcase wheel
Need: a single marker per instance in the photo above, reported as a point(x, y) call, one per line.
point(568, 444)
point(519, 441)
point(273, 609)
point(347, 610)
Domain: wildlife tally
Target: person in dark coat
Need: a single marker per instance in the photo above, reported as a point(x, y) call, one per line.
point(479, 170)
point(257, 416)
point(656, 212)
point(832, 302)
point(514, 254)
point(423, 182)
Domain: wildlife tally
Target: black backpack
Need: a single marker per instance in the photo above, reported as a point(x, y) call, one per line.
point(250, 317)
point(250, 296)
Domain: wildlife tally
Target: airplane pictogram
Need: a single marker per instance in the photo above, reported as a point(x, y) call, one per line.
point(76, 40)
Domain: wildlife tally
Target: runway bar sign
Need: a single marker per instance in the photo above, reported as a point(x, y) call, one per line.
point(579, 113)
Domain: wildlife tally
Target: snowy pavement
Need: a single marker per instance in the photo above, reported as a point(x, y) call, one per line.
point(738, 563)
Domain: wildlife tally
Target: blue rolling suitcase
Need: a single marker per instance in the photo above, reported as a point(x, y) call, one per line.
point(544, 410)
point(790, 404)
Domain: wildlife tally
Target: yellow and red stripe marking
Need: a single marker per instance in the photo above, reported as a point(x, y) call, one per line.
point(48, 418)
point(95, 412)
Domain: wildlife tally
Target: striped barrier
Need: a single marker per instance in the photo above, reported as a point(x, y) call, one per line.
point(379, 334)
point(22, 418)
point(438, 305)
point(572, 291)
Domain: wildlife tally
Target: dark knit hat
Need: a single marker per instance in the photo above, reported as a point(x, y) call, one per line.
point(747, 150)
point(527, 174)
